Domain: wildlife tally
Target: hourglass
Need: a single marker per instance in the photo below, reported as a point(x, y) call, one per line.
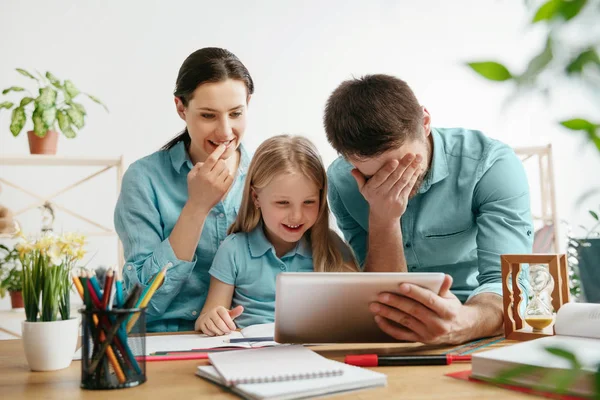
point(528, 322)
point(539, 313)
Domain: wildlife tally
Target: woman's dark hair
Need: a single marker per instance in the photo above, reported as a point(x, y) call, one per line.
point(210, 64)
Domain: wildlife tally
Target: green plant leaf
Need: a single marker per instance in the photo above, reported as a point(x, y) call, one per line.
point(13, 89)
point(76, 117)
point(537, 64)
point(53, 80)
point(594, 214)
point(491, 70)
point(78, 107)
point(569, 9)
point(507, 376)
point(27, 74)
point(47, 97)
point(594, 138)
point(597, 380)
point(69, 132)
point(63, 120)
point(17, 120)
point(588, 56)
point(567, 355)
point(578, 124)
point(49, 117)
point(547, 11)
point(71, 89)
point(7, 104)
point(39, 127)
point(96, 100)
point(25, 101)
point(558, 381)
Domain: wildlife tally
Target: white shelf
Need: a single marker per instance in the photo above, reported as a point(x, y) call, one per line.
point(38, 160)
point(53, 160)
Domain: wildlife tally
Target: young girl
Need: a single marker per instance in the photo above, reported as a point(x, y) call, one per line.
point(176, 204)
point(282, 226)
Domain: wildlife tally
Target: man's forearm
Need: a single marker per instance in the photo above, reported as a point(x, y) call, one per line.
point(487, 316)
point(385, 252)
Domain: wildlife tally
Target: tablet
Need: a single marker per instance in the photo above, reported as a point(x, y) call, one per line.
point(333, 307)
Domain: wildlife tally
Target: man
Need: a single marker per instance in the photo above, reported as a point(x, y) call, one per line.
point(409, 197)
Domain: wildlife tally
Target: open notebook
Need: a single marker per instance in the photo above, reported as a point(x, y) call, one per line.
point(297, 373)
point(577, 330)
point(197, 341)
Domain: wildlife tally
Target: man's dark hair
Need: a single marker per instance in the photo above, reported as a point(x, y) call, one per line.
point(368, 116)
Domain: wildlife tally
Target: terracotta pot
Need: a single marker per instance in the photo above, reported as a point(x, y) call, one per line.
point(16, 299)
point(42, 145)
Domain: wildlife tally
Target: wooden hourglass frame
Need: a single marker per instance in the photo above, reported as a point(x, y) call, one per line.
point(514, 326)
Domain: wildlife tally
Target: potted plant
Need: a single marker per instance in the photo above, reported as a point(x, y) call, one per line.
point(584, 258)
point(11, 276)
point(49, 333)
point(53, 104)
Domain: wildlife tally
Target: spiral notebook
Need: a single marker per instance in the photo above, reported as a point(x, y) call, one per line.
point(272, 364)
point(353, 378)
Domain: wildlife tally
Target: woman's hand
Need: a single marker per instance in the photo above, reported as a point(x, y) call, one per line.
point(208, 181)
point(218, 321)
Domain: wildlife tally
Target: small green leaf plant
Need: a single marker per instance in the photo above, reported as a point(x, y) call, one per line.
point(556, 381)
point(47, 263)
point(53, 104)
point(577, 60)
point(574, 243)
point(11, 276)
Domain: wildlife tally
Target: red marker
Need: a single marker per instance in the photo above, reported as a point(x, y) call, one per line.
point(374, 360)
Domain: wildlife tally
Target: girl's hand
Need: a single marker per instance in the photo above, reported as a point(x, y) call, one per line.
point(209, 181)
point(218, 321)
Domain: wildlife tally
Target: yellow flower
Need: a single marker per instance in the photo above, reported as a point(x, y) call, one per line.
point(55, 254)
point(80, 254)
point(24, 248)
point(45, 242)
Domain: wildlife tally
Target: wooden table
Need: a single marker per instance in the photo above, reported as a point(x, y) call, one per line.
point(176, 380)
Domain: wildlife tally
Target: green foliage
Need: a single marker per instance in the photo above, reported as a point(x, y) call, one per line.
point(10, 271)
point(578, 61)
point(47, 264)
point(491, 70)
point(53, 105)
point(555, 381)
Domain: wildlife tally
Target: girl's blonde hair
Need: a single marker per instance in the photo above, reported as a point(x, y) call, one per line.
point(286, 154)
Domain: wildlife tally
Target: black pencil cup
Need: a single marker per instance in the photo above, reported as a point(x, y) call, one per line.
point(111, 356)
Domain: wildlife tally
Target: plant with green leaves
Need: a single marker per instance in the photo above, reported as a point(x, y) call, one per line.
point(564, 54)
point(47, 264)
point(11, 276)
point(577, 244)
point(556, 381)
point(53, 104)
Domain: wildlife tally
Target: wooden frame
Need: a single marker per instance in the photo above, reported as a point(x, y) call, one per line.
point(548, 196)
point(515, 327)
point(36, 160)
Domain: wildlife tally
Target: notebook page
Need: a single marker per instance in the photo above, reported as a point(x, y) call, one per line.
point(578, 319)
point(353, 378)
point(271, 364)
point(259, 330)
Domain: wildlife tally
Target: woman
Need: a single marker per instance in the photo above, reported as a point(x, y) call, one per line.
point(176, 204)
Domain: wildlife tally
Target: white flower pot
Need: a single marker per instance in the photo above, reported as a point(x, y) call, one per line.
point(50, 345)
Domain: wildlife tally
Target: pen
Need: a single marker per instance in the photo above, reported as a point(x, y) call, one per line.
point(253, 339)
point(374, 360)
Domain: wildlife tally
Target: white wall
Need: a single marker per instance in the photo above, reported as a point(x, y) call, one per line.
point(128, 53)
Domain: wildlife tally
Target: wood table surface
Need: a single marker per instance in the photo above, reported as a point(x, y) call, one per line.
point(170, 380)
